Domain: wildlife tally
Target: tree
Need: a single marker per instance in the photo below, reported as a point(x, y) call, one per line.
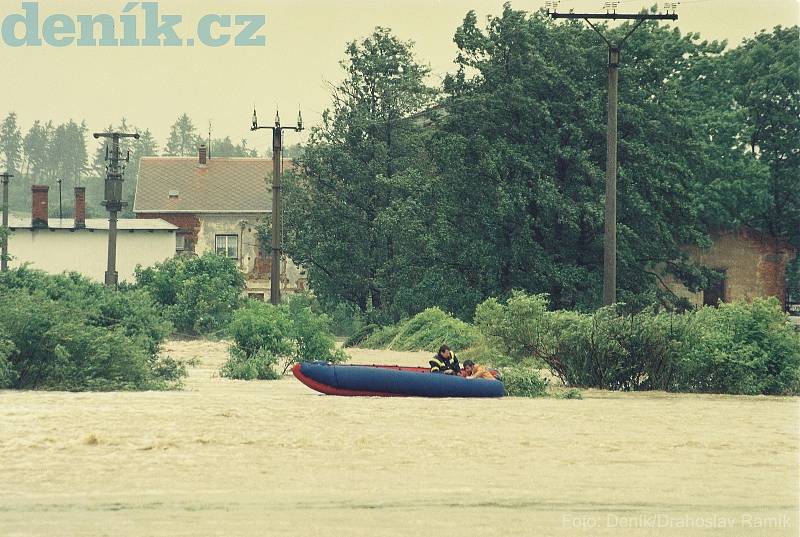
point(10, 144)
point(352, 172)
point(224, 147)
point(183, 138)
point(521, 157)
point(765, 75)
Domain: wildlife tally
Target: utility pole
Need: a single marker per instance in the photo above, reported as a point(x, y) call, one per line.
point(4, 253)
point(113, 197)
point(277, 142)
point(60, 207)
point(614, 47)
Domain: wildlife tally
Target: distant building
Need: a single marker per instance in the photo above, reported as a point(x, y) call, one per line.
point(78, 244)
point(751, 264)
point(216, 203)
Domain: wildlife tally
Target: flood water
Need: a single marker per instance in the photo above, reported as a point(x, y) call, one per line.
point(234, 458)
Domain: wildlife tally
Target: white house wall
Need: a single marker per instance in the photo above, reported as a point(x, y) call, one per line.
point(86, 251)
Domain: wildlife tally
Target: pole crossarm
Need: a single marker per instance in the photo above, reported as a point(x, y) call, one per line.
point(615, 16)
point(638, 17)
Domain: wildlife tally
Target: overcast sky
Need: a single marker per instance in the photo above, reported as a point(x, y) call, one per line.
point(305, 40)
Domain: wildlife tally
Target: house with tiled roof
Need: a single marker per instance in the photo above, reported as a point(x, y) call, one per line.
point(216, 203)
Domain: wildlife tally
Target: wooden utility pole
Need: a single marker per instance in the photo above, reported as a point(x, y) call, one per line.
point(610, 226)
point(113, 197)
point(4, 252)
point(277, 145)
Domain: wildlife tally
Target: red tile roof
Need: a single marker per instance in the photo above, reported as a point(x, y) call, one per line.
point(181, 184)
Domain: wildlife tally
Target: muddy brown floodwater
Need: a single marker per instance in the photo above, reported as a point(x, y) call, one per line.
point(233, 458)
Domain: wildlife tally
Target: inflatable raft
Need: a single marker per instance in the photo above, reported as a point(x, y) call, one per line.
point(391, 381)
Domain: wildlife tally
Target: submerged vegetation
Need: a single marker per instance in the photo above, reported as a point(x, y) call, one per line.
point(268, 340)
point(197, 294)
point(68, 333)
point(739, 348)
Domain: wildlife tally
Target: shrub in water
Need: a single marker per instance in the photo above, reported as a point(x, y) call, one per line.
point(66, 332)
point(260, 365)
point(198, 294)
point(742, 348)
point(381, 337)
point(7, 373)
point(311, 335)
point(524, 382)
point(358, 337)
point(273, 335)
point(426, 331)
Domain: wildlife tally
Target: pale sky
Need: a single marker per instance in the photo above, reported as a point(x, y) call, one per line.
point(305, 40)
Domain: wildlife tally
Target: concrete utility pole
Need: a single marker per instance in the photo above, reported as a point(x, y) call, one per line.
point(277, 142)
point(60, 206)
point(610, 231)
point(113, 197)
point(4, 254)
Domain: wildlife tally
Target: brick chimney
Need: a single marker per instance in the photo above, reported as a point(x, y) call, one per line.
point(203, 155)
point(80, 207)
point(39, 209)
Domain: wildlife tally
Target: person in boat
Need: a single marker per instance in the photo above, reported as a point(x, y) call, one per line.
point(445, 362)
point(474, 371)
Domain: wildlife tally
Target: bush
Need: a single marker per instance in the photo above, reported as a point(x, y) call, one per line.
point(67, 333)
point(524, 382)
point(742, 348)
point(426, 331)
point(311, 335)
point(197, 294)
point(358, 337)
point(258, 326)
point(8, 376)
point(260, 365)
point(737, 348)
point(265, 336)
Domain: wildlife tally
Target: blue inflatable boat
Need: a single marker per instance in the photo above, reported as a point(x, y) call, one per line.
point(391, 381)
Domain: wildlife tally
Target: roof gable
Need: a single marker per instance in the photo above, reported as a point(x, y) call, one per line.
point(181, 184)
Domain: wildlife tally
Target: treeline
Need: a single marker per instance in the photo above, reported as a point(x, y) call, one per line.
point(47, 153)
point(412, 196)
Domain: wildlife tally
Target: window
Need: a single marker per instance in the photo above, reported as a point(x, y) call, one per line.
point(180, 242)
point(228, 245)
point(256, 296)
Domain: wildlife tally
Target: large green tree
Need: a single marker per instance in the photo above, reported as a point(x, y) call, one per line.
point(354, 172)
point(520, 160)
point(765, 82)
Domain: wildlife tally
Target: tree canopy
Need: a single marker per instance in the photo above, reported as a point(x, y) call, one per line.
point(500, 186)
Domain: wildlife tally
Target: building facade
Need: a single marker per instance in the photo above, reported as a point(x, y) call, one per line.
point(750, 263)
point(217, 205)
point(78, 244)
